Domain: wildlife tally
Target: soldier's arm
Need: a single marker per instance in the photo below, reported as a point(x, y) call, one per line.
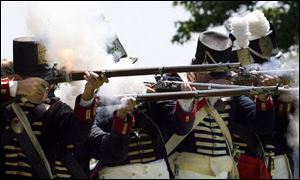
point(8, 89)
point(257, 115)
point(176, 116)
point(74, 126)
point(172, 116)
point(33, 89)
point(71, 126)
point(109, 139)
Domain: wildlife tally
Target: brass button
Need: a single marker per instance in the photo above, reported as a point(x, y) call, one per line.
point(16, 126)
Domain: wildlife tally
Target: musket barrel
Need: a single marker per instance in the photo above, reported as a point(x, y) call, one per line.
point(109, 100)
point(62, 76)
point(222, 67)
point(280, 90)
point(208, 85)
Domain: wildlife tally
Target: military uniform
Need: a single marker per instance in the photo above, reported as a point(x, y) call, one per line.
point(56, 126)
point(263, 50)
point(204, 153)
point(135, 148)
point(207, 140)
point(282, 159)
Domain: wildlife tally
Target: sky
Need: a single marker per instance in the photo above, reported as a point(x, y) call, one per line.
point(144, 28)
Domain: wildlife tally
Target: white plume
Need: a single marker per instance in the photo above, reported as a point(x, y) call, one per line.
point(240, 30)
point(258, 24)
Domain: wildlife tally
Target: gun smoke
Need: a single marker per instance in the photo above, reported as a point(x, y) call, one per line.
point(291, 61)
point(286, 67)
point(76, 38)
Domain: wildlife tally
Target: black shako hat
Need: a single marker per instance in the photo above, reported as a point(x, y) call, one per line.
point(212, 47)
point(29, 57)
point(261, 49)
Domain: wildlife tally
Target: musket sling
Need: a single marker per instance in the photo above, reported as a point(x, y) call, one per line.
point(73, 166)
point(31, 146)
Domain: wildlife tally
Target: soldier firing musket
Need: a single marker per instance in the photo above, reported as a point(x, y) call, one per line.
point(58, 76)
point(233, 91)
point(245, 77)
point(170, 86)
point(236, 72)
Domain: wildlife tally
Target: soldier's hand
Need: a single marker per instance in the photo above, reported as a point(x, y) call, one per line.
point(187, 87)
point(286, 98)
point(94, 81)
point(33, 89)
point(262, 97)
point(127, 105)
point(150, 90)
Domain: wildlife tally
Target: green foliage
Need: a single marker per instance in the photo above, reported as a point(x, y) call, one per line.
point(205, 14)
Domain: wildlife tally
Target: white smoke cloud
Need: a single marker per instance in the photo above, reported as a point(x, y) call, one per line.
point(285, 67)
point(76, 36)
point(119, 86)
point(292, 134)
point(289, 61)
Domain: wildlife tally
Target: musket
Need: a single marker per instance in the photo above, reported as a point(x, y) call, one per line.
point(171, 86)
point(58, 76)
point(245, 77)
point(55, 76)
point(268, 90)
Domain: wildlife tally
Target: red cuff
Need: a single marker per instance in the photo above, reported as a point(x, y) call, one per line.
point(201, 104)
point(122, 127)
point(5, 94)
point(185, 116)
point(85, 114)
point(264, 106)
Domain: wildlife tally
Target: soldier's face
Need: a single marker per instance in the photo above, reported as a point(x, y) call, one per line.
point(206, 78)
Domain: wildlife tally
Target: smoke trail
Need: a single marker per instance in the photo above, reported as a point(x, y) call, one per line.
point(120, 86)
point(288, 61)
point(292, 135)
point(286, 67)
point(76, 35)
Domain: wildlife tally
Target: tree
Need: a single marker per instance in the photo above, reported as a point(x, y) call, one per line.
point(204, 14)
